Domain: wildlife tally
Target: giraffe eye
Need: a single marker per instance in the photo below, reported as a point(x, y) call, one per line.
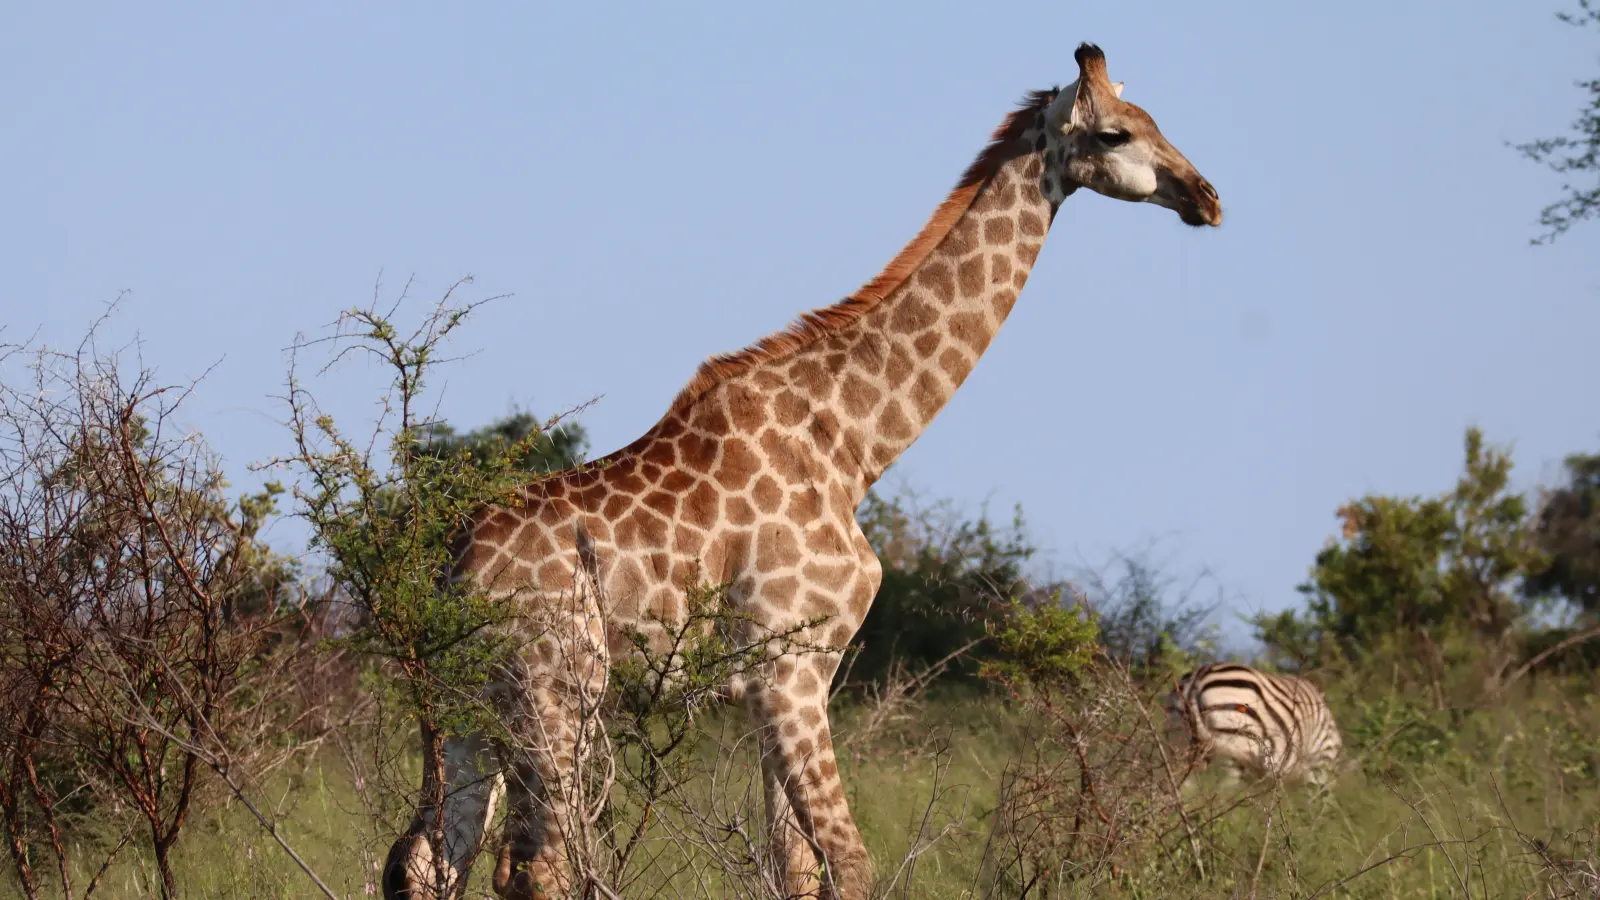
point(1113, 138)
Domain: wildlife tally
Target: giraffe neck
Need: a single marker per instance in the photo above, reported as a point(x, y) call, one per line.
point(918, 346)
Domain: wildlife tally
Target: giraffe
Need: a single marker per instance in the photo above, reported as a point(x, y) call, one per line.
point(752, 479)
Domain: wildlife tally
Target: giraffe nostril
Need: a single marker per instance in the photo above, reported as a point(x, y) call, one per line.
point(1208, 190)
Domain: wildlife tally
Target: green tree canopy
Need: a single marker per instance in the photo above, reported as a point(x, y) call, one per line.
point(1407, 564)
point(1567, 530)
point(560, 446)
point(945, 579)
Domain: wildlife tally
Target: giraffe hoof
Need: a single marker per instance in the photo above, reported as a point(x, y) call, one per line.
point(405, 872)
point(516, 881)
point(523, 885)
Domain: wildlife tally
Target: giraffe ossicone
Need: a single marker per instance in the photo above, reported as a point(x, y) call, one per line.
point(752, 479)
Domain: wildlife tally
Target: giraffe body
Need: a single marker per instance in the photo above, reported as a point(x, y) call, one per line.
point(753, 478)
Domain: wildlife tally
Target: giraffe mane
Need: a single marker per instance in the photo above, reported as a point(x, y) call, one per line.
point(817, 323)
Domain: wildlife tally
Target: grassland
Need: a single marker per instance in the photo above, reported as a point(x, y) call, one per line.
point(1502, 801)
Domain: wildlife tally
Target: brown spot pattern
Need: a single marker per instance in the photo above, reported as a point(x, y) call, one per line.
point(938, 278)
point(999, 268)
point(963, 238)
point(818, 605)
point(783, 457)
point(699, 452)
point(773, 443)
point(776, 548)
point(911, 315)
point(900, 366)
point(1002, 301)
point(710, 417)
point(739, 464)
point(805, 506)
point(740, 512)
point(768, 495)
point(971, 329)
point(781, 591)
point(700, 507)
point(809, 375)
point(677, 481)
point(747, 408)
point(616, 506)
point(929, 395)
point(791, 408)
point(956, 366)
point(870, 353)
point(971, 276)
point(893, 423)
point(831, 577)
point(859, 396)
point(662, 502)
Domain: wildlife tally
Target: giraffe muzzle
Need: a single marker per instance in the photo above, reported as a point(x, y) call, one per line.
point(1192, 198)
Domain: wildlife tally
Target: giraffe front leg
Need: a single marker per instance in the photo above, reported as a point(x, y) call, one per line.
point(797, 756)
point(415, 870)
point(793, 863)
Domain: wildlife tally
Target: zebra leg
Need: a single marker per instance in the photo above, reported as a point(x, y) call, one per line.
point(1231, 776)
point(1196, 759)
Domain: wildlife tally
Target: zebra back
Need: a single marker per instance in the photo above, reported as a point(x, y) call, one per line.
point(1272, 725)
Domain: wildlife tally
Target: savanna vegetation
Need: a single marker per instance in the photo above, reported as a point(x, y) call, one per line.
point(189, 713)
point(186, 711)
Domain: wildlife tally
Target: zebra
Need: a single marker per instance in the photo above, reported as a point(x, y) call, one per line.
point(1267, 726)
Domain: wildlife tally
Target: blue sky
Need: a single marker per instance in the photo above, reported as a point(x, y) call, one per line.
point(654, 183)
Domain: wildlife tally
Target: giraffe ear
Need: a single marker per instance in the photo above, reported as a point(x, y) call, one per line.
point(1116, 88)
point(1073, 107)
point(1059, 115)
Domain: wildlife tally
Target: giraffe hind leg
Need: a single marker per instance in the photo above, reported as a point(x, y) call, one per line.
point(532, 862)
point(545, 794)
point(554, 731)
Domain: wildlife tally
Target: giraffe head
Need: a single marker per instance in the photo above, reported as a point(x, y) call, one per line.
point(1114, 148)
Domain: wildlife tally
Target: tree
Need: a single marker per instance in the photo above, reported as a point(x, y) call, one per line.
point(1407, 565)
point(945, 580)
point(387, 509)
point(540, 449)
point(1576, 155)
point(131, 626)
point(1146, 619)
point(1567, 530)
point(518, 444)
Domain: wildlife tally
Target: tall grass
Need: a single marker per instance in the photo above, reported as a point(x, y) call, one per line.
point(1502, 801)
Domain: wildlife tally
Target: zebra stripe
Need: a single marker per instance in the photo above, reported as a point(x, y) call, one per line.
point(1275, 726)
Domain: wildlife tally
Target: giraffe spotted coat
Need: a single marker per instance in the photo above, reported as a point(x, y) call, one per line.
point(753, 478)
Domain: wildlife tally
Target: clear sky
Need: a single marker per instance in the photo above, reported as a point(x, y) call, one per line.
point(657, 182)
